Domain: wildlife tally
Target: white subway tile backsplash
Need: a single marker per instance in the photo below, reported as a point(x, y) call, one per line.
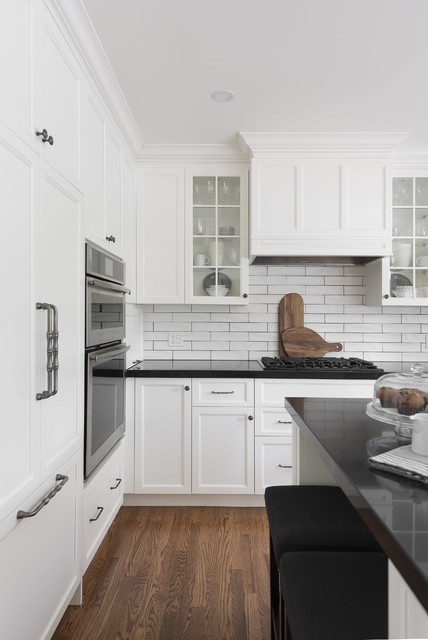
point(333, 296)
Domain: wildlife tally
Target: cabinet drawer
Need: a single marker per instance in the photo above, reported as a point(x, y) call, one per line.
point(40, 558)
point(270, 393)
point(273, 462)
point(213, 392)
point(273, 421)
point(103, 496)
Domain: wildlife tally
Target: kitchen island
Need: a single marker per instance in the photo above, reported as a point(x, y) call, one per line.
point(334, 437)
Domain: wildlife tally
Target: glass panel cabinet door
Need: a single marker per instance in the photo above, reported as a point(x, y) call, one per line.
point(409, 262)
point(218, 223)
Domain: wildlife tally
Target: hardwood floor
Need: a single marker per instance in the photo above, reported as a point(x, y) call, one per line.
point(177, 573)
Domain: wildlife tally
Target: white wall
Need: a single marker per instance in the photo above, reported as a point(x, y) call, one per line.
point(334, 307)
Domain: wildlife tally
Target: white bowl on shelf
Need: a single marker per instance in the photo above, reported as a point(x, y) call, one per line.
point(218, 290)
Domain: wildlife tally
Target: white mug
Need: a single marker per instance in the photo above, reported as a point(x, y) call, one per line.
point(200, 260)
point(422, 261)
point(420, 433)
point(402, 255)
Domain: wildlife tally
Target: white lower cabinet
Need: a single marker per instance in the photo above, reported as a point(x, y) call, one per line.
point(273, 462)
point(162, 435)
point(40, 557)
point(222, 450)
point(102, 498)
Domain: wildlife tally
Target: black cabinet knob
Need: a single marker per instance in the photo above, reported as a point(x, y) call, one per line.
point(245, 295)
point(186, 388)
point(386, 296)
point(250, 418)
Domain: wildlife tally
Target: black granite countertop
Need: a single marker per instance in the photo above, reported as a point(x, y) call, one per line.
point(196, 369)
point(394, 508)
point(224, 369)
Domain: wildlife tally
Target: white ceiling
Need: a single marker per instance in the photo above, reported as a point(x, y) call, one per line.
point(294, 66)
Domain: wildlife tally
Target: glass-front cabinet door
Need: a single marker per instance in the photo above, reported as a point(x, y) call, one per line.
point(409, 260)
point(217, 253)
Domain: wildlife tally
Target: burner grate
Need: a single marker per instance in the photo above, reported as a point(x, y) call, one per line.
point(350, 366)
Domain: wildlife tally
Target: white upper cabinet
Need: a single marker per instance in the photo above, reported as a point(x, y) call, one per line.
point(94, 171)
point(192, 235)
point(402, 277)
point(16, 29)
point(129, 225)
point(325, 196)
point(216, 235)
point(57, 91)
point(108, 178)
point(113, 192)
point(160, 235)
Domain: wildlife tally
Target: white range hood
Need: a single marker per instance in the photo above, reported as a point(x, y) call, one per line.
point(320, 197)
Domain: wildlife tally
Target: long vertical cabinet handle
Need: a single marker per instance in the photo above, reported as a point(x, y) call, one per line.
point(52, 364)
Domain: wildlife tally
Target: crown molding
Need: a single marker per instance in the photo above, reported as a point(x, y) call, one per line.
point(98, 68)
point(410, 155)
point(319, 142)
point(192, 153)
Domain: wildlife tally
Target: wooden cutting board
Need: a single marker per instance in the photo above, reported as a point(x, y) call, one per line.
point(290, 314)
point(301, 342)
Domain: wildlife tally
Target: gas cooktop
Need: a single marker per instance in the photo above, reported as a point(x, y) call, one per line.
point(324, 367)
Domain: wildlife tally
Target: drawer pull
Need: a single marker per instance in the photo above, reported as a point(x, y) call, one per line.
point(285, 466)
point(222, 392)
point(61, 480)
point(100, 510)
point(118, 480)
point(284, 421)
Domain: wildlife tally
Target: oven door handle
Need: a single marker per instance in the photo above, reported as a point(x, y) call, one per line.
point(107, 354)
point(100, 284)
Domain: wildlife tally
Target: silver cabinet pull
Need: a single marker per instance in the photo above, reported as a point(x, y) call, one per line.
point(222, 392)
point(284, 421)
point(100, 510)
point(60, 480)
point(118, 481)
point(285, 466)
point(52, 364)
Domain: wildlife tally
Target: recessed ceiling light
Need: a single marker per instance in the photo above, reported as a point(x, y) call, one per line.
point(222, 96)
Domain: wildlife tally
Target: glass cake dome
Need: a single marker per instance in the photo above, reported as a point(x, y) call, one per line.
point(397, 396)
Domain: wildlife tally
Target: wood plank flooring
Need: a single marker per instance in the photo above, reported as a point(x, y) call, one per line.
point(177, 573)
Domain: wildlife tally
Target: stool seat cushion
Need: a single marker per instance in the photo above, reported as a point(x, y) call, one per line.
point(317, 518)
point(335, 595)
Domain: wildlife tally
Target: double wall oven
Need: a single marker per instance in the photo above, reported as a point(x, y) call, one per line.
point(105, 354)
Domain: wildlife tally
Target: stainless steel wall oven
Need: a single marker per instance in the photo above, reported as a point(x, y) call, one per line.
point(105, 359)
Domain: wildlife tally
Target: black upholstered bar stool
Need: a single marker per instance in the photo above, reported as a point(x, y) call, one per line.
point(310, 518)
point(335, 595)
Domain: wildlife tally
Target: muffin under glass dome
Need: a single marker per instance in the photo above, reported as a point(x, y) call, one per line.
point(397, 396)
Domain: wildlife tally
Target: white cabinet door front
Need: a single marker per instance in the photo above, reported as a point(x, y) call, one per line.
point(113, 194)
point(94, 181)
point(40, 558)
point(160, 236)
point(59, 263)
point(15, 64)
point(222, 450)
point(57, 98)
point(273, 462)
point(162, 436)
point(19, 435)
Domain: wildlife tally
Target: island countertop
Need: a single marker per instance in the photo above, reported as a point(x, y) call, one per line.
point(394, 508)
